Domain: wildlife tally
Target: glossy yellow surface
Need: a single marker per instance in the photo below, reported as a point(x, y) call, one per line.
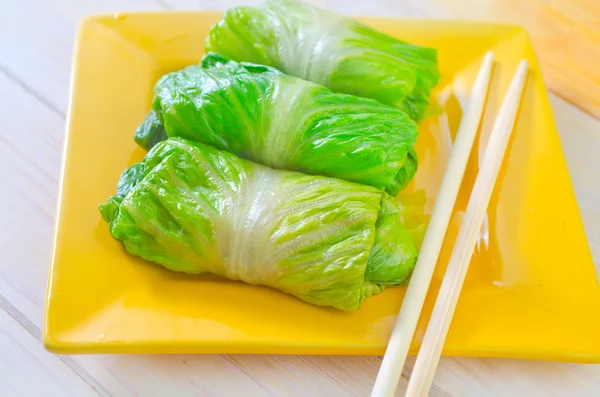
point(531, 290)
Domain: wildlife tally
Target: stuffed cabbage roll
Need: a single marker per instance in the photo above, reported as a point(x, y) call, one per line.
point(281, 121)
point(330, 49)
point(195, 209)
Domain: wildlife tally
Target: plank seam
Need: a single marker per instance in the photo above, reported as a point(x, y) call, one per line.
point(34, 331)
point(13, 77)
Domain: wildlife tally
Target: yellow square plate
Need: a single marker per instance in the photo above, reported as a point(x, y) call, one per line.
point(531, 291)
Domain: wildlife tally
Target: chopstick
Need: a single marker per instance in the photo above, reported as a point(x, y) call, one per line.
point(439, 323)
point(406, 323)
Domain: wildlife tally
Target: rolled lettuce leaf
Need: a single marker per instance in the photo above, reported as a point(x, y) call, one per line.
point(329, 49)
point(281, 121)
point(195, 209)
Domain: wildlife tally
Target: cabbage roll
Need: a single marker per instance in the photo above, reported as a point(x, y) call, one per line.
point(192, 208)
point(260, 114)
point(329, 49)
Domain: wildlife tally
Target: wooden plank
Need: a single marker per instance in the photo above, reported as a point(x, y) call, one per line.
point(26, 369)
point(580, 140)
point(503, 377)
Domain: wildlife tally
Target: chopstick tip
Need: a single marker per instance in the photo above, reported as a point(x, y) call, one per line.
point(488, 60)
point(524, 64)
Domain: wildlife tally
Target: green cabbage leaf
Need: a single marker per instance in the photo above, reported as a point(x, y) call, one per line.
point(263, 115)
point(192, 208)
point(329, 49)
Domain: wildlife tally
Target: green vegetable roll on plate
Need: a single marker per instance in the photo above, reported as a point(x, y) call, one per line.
point(281, 121)
point(330, 49)
point(195, 209)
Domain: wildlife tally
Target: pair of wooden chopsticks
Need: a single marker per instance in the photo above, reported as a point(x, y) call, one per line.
point(437, 329)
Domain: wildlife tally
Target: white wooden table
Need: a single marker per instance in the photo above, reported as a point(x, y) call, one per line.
point(36, 41)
